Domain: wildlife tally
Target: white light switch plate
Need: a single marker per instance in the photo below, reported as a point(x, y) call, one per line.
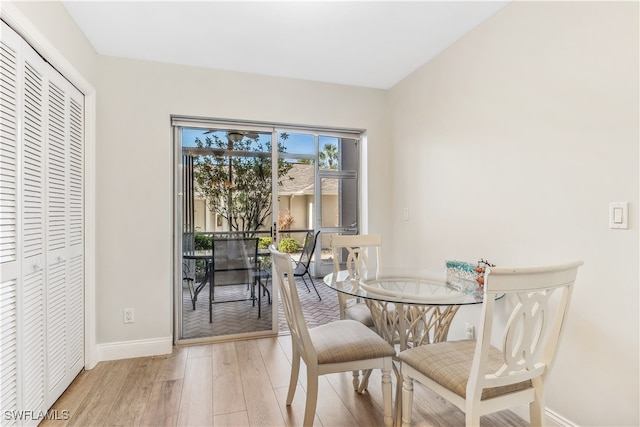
point(619, 215)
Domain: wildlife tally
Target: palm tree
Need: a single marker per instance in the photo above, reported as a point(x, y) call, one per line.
point(329, 156)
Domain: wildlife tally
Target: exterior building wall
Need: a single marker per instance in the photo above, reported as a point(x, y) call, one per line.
point(330, 211)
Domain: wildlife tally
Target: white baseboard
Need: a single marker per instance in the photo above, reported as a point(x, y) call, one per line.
point(551, 418)
point(138, 348)
point(555, 419)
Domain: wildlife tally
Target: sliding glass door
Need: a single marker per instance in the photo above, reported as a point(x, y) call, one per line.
point(247, 182)
point(226, 215)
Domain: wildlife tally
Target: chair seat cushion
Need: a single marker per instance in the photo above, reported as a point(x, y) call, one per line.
point(360, 313)
point(449, 364)
point(346, 341)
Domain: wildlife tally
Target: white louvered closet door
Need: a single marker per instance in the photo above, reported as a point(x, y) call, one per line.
point(41, 230)
point(32, 286)
point(64, 232)
point(9, 206)
point(75, 248)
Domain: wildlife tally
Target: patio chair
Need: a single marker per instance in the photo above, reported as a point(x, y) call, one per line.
point(479, 378)
point(302, 266)
point(235, 261)
point(340, 346)
point(188, 279)
point(264, 266)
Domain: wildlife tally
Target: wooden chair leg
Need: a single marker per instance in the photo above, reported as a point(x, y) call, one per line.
point(536, 408)
point(387, 396)
point(365, 381)
point(312, 398)
point(293, 380)
point(472, 419)
point(356, 380)
point(407, 401)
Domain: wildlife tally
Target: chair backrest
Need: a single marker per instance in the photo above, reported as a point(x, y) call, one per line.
point(234, 260)
point(540, 298)
point(360, 250)
point(282, 272)
point(308, 249)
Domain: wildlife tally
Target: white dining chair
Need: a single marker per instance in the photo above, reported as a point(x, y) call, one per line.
point(479, 378)
point(358, 251)
point(340, 346)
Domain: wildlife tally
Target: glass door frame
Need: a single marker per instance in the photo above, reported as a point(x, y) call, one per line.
point(178, 124)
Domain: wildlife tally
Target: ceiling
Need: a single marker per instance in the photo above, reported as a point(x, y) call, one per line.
point(361, 43)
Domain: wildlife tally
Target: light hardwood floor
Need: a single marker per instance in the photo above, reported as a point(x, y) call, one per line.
point(242, 383)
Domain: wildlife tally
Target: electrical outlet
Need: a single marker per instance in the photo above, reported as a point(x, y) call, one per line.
point(128, 315)
point(470, 331)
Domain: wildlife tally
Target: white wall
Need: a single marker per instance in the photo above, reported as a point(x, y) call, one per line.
point(510, 146)
point(134, 169)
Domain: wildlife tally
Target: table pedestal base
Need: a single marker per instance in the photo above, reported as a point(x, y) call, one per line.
point(411, 325)
point(408, 326)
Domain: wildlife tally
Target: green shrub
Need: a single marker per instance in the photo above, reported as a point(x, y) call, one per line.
point(202, 242)
point(264, 242)
point(288, 245)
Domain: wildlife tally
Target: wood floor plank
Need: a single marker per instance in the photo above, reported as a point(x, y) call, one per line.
point(285, 344)
point(293, 414)
point(130, 405)
point(164, 404)
point(174, 364)
point(196, 408)
point(101, 399)
point(228, 394)
point(275, 359)
point(203, 350)
point(331, 409)
point(73, 398)
point(234, 419)
point(262, 405)
point(363, 406)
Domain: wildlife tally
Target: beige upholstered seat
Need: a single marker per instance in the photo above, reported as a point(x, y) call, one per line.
point(358, 312)
point(479, 378)
point(341, 346)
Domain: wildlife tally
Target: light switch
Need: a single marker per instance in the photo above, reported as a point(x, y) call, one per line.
point(619, 215)
point(405, 214)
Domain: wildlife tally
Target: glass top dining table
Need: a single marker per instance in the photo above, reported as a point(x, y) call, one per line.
point(407, 310)
point(403, 289)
